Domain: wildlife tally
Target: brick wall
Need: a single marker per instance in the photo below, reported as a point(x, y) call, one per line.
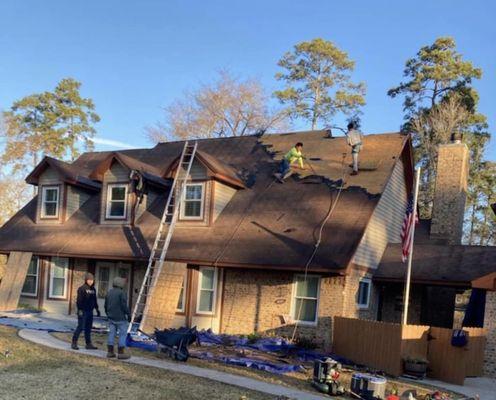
point(429, 305)
point(450, 194)
point(163, 300)
point(490, 325)
point(260, 301)
point(392, 304)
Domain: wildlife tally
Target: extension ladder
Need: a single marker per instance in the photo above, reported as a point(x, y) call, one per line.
point(164, 234)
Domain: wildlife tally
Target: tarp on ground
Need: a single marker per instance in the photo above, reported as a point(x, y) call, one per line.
point(264, 345)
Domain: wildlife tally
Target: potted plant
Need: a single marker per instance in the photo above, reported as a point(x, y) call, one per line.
point(415, 365)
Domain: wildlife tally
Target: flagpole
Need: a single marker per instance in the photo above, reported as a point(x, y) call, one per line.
point(410, 254)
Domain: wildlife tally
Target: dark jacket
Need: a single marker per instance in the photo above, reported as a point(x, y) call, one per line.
point(116, 306)
point(86, 298)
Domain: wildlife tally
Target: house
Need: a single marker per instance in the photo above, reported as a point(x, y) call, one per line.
point(243, 242)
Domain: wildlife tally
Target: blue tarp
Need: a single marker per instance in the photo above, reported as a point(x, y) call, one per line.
point(275, 344)
point(265, 345)
point(252, 363)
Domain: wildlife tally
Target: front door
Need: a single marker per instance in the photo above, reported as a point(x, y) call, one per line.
point(106, 271)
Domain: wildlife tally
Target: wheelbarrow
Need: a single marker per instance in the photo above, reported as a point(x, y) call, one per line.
point(175, 342)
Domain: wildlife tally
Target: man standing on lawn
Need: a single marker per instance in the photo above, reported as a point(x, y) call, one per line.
point(85, 302)
point(118, 314)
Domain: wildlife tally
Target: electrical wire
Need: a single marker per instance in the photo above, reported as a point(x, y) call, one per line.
point(319, 239)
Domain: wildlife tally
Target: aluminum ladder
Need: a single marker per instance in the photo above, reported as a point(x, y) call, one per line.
point(164, 234)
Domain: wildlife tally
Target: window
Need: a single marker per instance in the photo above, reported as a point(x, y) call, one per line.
point(58, 278)
point(50, 202)
point(181, 300)
point(306, 299)
point(207, 290)
point(363, 295)
point(30, 287)
point(192, 205)
point(103, 281)
point(116, 201)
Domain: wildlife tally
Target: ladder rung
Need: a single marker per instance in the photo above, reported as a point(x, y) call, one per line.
point(162, 239)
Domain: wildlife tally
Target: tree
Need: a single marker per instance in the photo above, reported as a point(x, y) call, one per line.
point(227, 107)
point(13, 195)
point(48, 123)
point(318, 82)
point(481, 221)
point(436, 71)
point(438, 100)
point(76, 116)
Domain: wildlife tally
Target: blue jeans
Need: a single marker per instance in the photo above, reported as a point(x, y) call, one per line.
point(120, 328)
point(284, 167)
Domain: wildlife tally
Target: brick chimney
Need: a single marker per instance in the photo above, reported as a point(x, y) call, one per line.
point(450, 193)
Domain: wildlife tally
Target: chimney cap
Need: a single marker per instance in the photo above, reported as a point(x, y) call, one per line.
point(456, 137)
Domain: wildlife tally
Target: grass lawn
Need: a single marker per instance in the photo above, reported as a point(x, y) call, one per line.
point(30, 371)
point(299, 380)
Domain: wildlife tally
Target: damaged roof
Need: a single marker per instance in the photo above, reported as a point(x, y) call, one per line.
point(266, 225)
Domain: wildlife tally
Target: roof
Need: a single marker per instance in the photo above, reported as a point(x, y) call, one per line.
point(267, 225)
point(438, 263)
point(149, 172)
point(68, 172)
point(217, 168)
point(487, 282)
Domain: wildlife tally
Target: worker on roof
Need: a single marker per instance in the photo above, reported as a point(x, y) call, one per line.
point(354, 138)
point(292, 156)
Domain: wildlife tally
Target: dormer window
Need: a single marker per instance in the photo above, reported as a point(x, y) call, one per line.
point(50, 201)
point(116, 201)
point(193, 201)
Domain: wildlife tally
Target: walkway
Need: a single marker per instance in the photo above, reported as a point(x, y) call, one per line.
point(484, 387)
point(45, 339)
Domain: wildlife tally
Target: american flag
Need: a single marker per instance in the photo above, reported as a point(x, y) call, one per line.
point(406, 229)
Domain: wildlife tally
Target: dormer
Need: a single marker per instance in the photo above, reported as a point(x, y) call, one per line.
point(61, 190)
point(123, 198)
point(210, 186)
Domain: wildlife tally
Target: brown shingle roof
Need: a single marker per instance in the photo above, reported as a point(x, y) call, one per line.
point(68, 172)
point(268, 225)
point(438, 263)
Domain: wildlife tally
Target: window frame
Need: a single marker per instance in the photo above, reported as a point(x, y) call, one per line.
point(37, 275)
point(44, 189)
point(364, 306)
point(184, 286)
point(294, 297)
point(182, 210)
point(199, 289)
point(50, 295)
point(109, 201)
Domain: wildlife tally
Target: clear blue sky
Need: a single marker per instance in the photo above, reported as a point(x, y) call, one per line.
point(134, 57)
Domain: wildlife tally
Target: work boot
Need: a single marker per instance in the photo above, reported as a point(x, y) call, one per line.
point(110, 351)
point(121, 355)
point(74, 345)
point(89, 346)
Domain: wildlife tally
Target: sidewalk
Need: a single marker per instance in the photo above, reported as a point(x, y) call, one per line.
point(45, 339)
point(484, 387)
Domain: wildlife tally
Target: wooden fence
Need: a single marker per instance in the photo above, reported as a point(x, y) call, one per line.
point(384, 346)
point(378, 344)
point(452, 364)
